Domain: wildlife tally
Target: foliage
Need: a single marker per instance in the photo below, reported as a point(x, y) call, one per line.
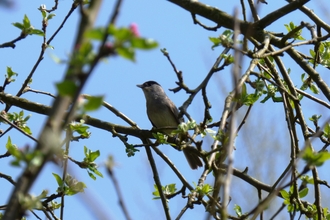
point(27, 28)
point(286, 70)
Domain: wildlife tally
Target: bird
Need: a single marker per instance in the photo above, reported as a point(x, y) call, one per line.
point(163, 113)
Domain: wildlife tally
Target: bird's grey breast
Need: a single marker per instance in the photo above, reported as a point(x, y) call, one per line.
point(160, 113)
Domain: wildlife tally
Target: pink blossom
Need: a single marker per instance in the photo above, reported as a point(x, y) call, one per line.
point(134, 29)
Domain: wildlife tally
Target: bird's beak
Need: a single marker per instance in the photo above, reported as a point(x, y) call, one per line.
point(140, 86)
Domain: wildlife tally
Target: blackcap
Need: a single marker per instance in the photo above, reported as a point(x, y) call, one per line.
point(162, 113)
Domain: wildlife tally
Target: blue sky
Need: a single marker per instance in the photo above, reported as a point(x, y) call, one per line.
point(116, 79)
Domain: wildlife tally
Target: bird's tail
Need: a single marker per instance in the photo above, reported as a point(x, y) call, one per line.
point(192, 158)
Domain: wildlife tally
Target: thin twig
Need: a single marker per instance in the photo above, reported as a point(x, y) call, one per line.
point(17, 128)
point(157, 181)
point(109, 167)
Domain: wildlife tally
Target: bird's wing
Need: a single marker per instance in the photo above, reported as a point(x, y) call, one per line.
point(175, 111)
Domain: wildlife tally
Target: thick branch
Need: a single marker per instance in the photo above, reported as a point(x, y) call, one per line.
point(97, 123)
point(213, 14)
point(281, 12)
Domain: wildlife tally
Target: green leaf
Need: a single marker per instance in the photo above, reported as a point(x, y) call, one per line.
point(9, 144)
point(248, 99)
point(160, 137)
point(244, 91)
point(156, 192)
point(13, 150)
point(291, 207)
point(224, 39)
point(18, 25)
point(10, 72)
point(307, 179)
point(53, 205)
point(98, 173)
point(21, 114)
point(296, 35)
point(238, 210)
point(93, 103)
point(326, 131)
point(285, 194)
point(26, 22)
point(58, 180)
point(37, 32)
point(204, 189)
point(314, 88)
point(126, 52)
point(27, 118)
point(74, 186)
point(94, 155)
point(326, 213)
point(215, 40)
point(26, 129)
point(79, 187)
point(86, 48)
point(89, 159)
point(229, 59)
point(91, 175)
point(86, 151)
point(227, 33)
point(112, 29)
point(302, 77)
point(121, 34)
point(55, 58)
point(315, 118)
point(130, 150)
point(184, 127)
point(82, 56)
point(43, 13)
point(142, 43)
point(315, 159)
point(50, 16)
point(95, 33)
point(169, 189)
point(303, 193)
point(80, 128)
point(66, 88)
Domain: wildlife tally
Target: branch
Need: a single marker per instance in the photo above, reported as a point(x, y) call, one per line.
point(274, 16)
point(221, 18)
point(97, 123)
point(17, 128)
point(49, 139)
point(304, 65)
point(109, 167)
point(310, 13)
point(157, 180)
